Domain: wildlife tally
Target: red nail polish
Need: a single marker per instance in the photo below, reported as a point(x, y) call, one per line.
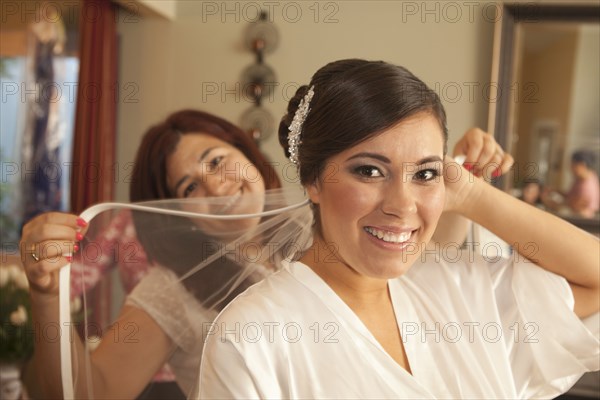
point(81, 222)
point(69, 258)
point(79, 236)
point(496, 173)
point(468, 166)
point(75, 248)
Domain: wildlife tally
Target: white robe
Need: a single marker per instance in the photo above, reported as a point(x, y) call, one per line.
point(475, 329)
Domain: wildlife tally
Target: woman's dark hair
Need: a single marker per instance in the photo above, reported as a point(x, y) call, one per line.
point(174, 242)
point(586, 157)
point(353, 101)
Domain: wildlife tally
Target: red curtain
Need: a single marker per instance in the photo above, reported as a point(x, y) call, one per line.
point(92, 178)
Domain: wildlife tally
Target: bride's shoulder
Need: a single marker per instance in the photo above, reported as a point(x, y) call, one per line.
point(272, 296)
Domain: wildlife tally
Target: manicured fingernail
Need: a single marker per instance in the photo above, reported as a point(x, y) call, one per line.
point(75, 248)
point(79, 236)
point(69, 258)
point(468, 166)
point(460, 159)
point(81, 222)
point(477, 174)
point(496, 173)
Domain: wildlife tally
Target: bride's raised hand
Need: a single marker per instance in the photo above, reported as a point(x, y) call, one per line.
point(483, 158)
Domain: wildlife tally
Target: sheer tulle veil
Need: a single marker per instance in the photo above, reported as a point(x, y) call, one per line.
point(206, 251)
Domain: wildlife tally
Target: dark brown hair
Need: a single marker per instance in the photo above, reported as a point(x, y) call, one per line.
point(585, 157)
point(353, 101)
point(149, 177)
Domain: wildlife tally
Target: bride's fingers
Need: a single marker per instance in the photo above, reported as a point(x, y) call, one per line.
point(483, 156)
point(500, 164)
point(497, 157)
point(470, 145)
point(479, 149)
point(489, 149)
point(506, 164)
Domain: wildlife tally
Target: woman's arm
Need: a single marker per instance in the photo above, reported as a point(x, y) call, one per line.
point(452, 228)
point(119, 368)
point(559, 246)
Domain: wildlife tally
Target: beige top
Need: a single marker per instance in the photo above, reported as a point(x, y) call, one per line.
point(180, 315)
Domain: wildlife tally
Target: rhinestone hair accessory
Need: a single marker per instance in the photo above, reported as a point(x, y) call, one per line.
point(294, 139)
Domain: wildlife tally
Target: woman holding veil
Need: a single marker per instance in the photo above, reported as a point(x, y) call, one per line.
point(198, 164)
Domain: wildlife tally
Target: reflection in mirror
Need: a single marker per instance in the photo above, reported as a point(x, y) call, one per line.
point(557, 115)
point(547, 64)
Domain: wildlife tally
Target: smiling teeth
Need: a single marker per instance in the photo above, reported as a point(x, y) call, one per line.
point(388, 236)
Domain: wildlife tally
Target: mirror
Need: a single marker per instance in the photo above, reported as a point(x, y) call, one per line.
point(546, 65)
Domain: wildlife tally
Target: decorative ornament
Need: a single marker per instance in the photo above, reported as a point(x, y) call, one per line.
point(295, 135)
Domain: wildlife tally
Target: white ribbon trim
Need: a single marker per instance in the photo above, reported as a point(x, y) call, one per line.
point(66, 364)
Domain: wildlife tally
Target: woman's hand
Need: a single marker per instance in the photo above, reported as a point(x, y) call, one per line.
point(484, 158)
point(47, 244)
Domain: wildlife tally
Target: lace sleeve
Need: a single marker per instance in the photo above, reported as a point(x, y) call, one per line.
point(174, 309)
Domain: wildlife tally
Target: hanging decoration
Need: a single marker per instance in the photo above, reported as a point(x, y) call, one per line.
point(259, 79)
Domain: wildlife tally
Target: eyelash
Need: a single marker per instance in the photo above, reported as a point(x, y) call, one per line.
point(434, 174)
point(365, 171)
point(189, 189)
point(212, 164)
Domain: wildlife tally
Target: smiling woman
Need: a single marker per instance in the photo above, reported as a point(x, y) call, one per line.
point(205, 166)
point(369, 310)
point(207, 142)
point(183, 262)
point(394, 195)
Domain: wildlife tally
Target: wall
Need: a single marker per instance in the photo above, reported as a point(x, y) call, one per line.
point(171, 64)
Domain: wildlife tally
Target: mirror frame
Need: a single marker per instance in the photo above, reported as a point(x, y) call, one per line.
point(501, 111)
